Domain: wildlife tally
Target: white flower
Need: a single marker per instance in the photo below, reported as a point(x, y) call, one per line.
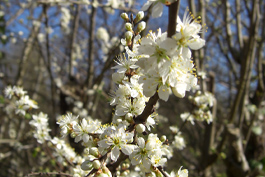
point(84, 130)
point(102, 34)
point(151, 81)
point(124, 64)
point(181, 173)
point(40, 123)
point(187, 32)
point(131, 53)
point(149, 123)
point(187, 117)
point(158, 47)
point(127, 106)
point(67, 122)
point(140, 154)
point(24, 104)
point(9, 92)
point(157, 6)
point(116, 139)
point(179, 142)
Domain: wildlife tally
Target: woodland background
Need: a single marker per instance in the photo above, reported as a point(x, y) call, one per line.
point(63, 62)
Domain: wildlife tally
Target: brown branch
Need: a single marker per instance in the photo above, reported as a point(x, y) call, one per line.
point(113, 166)
point(162, 171)
point(238, 23)
point(76, 22)
point(49, 64)
point(172, 18)
point(90, 71)
point(18, 13)
point(26, 52)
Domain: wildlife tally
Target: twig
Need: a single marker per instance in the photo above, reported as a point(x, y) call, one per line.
point(76, 20)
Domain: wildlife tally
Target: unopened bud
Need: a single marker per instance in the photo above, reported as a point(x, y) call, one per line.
point(128, 26)
point(127, 165)
point(94, 151)
point(73, 135)
point(163, 138)
point(141, 26)
point(98, 174)
point(125, 17)
point(86, 165)
point(96, 164)
point(125, 173)
point(128, 37)
point(158, 173)
point(129, 117)
point(140, 128)
point(106, 171)
point(139, 16)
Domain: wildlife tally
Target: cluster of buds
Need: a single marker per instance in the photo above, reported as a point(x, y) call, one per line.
point(21, 102)
point(130, 23)
point(203, 103)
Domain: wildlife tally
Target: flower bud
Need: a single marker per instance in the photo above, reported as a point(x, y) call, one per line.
point(139, 16)
point(125, 17)
point(73, 135)
point(128, 26)
point(129, 117)
point(96, 164)
point(158, 173)
point(94, 151)
point(98, 174)
point(106, 171)
point(140, 128)
point(141, 26)
point(128, 37)
point(86, 165)
point(125, 173)
point(163, 138)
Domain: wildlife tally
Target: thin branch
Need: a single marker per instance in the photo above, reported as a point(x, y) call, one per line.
point(26, 52)
point(238, 23)
point(18, 13)
point(76, 20)
point(49, 65)
point(90, 71)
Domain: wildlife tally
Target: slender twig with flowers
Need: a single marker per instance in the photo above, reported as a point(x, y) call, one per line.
point(151, 69)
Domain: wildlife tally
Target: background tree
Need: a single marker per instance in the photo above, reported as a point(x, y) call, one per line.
point(62, 52)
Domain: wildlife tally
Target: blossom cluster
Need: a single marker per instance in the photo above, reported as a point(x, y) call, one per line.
point(155, 65)
point(22, 101)
point(203, 103)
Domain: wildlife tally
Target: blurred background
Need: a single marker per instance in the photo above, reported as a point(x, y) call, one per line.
point(61, 52)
